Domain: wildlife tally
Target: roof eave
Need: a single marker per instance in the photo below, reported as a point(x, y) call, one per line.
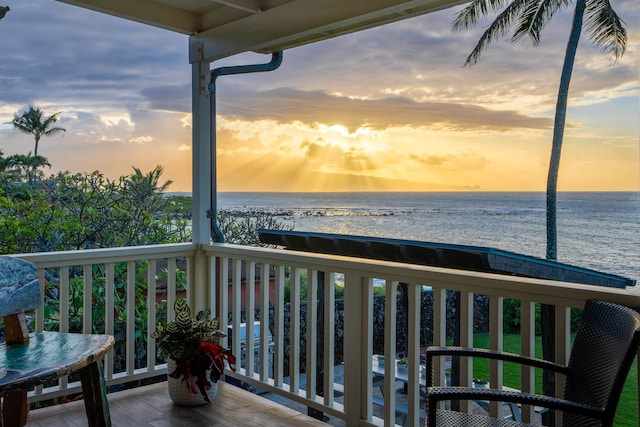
point(276, 30)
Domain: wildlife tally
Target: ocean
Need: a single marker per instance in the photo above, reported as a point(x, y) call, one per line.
point(596, 230)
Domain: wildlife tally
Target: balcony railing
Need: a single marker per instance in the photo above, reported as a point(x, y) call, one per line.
point(116, 291)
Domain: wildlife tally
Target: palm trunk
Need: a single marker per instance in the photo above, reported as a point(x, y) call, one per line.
point(558, 129)
point(548, 313)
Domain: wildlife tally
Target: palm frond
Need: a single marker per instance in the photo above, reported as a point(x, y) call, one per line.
point(535, 17)
point(498, 28)
point(606, 29)
point(469, 16)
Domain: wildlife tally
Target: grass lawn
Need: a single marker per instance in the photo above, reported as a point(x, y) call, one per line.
point(627, 413)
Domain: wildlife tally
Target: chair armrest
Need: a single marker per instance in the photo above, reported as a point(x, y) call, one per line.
point(432, 352)
point(436, 394)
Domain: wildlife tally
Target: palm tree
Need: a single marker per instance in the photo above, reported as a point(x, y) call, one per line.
point(606, 30)
point(26, 165)
point(31, 123)
point(3, 11)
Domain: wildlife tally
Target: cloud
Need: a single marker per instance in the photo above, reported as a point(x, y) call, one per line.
point(141, 139)
point(168, 97)
point(71, 58)
point(390, 104)
point(286, 105)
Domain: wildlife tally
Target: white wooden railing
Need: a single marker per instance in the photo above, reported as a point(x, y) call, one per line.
point(213, 276)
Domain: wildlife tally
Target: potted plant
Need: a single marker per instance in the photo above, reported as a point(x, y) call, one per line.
point(402, 364)
point(380, 358)
point(195, 359)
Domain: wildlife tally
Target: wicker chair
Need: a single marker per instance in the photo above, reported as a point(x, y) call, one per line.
point(605, 345)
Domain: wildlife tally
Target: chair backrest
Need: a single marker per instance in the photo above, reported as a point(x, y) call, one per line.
point(19, 288)
point(605, 346)
point(19, 292)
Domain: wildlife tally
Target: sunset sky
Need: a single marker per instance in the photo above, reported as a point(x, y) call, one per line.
point(386, 109)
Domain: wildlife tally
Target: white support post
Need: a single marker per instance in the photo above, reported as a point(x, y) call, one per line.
point(201, 146)
point(200, 288)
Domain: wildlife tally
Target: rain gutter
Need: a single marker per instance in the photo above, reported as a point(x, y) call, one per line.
point(276, 60)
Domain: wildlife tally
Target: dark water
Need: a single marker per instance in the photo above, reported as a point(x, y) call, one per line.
point(600, 231)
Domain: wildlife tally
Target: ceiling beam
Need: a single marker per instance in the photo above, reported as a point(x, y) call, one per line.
point(304, 21)
point(146, 11)
point(250, 6)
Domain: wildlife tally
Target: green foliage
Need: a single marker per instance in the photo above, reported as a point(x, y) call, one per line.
point(84, 211)
point(242, 227)
point(303, 285)
point(193, 344)
point(178, 339)
point(87, 210)
point(511, 317)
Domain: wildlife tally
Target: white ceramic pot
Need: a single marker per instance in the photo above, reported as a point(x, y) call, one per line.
point(179, 391)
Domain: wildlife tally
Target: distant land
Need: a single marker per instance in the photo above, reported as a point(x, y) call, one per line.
point(322, 182)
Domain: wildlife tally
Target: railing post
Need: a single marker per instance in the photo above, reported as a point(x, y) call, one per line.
point(265, 289)
point(151, 314)
point(131, 317)
point(312, 332)
point(466, 340)
point(294, 330)
point(563, 349)
point(329, 342)
point(109, 321)
point(439, 331)
point(414, 293)
point(390, 344)
point(527, 348)
point(496, 326)
point(357, 344)
point(278, 322)
point(199, 287)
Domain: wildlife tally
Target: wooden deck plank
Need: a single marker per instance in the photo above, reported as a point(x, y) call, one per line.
point(151, 406)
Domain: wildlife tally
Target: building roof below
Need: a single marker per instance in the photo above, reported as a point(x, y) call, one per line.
point(463, 257)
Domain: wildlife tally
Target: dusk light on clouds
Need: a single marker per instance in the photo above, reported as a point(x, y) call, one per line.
point(386, 109)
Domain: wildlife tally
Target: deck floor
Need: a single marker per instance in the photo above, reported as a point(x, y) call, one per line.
point(151, 406)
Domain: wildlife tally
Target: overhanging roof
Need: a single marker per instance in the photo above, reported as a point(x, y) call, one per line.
point(228, 27)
